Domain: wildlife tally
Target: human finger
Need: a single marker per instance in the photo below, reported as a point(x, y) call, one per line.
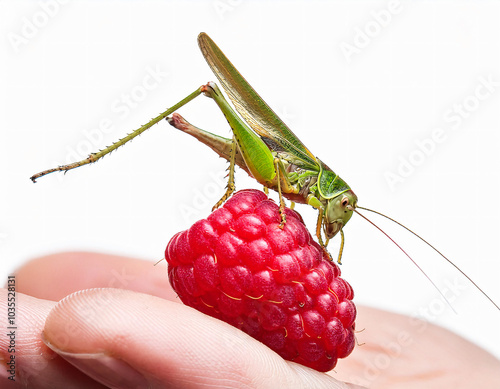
point(27, 361)
point(125, 339)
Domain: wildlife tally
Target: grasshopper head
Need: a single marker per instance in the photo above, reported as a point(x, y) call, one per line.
point(337, 212)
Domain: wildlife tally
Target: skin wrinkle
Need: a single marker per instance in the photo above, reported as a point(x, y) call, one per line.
point(76, 306)
point(105, 312)
point(37, 365)
point(293, 379)
point(189, 381)
point(315, 380)
point(217, 383)
point(275, 368)
point(29, 340)
point(239, 367)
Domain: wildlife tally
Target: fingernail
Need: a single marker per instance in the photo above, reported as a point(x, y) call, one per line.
point(103, 368)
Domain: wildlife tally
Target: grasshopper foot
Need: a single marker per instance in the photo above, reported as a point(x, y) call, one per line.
point(229, 190)
point(283, 218)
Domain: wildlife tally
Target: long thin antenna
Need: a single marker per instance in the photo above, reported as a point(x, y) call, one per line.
point(411, 259)
point(435, 249)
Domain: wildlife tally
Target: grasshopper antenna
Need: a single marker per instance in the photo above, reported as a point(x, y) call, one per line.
point(408, 255)
point(430, 245)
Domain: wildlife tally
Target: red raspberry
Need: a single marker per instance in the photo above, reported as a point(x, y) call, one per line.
point(275, 284)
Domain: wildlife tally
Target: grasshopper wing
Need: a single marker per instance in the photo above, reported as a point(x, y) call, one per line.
point(254, 109)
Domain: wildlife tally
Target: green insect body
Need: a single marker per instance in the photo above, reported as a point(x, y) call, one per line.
point(304, 178)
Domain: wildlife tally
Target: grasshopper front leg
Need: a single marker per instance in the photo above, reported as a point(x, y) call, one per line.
point(281, 179)
point(313, 201)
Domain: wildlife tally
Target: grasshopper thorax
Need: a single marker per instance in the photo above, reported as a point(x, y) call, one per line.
point(338, 211)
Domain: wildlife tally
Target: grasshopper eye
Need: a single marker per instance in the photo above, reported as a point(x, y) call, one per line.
point(345, 202)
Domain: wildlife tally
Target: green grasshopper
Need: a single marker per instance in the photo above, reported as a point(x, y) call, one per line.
point(267, 150)
point(271, 153)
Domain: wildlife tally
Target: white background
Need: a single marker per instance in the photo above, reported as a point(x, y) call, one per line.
point(360, 113)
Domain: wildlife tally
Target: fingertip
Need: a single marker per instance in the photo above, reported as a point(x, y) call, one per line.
point(36, 366)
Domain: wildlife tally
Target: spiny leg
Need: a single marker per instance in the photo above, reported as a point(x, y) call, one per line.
point(319, 223)
point(222, 146)
point(230, 183)
point(282, 201)
point(98, 155)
